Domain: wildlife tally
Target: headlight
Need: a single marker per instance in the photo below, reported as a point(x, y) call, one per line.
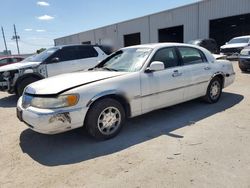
point(245, 52)
point(52, 103)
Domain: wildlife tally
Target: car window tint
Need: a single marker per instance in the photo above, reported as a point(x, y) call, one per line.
point(14, 60)
point(191, 55)
point(106, 49)
point(167, 56)
point(65, 54)
point(86, 52)
point(3, 61)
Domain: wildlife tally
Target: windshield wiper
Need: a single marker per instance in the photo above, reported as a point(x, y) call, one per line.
point(109, 69)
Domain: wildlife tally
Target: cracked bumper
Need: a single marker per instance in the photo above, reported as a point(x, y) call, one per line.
point(49, 121)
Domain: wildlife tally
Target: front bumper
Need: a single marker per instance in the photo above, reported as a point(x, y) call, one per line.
point(231, 55)
point(49, 121)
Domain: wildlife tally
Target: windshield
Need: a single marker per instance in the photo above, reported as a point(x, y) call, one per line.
point(126, 60)
point(239, 40)
point(42, 56)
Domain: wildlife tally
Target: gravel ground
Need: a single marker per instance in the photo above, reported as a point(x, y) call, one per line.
point(189, 145)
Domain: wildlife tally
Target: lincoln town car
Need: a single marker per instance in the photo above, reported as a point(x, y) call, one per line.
point(130, 82)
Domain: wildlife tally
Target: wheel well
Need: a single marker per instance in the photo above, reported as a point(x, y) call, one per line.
point(20, 79)
point(118, 98)
point(221, 77)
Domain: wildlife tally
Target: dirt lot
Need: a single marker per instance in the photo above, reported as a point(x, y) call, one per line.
point(189, 145)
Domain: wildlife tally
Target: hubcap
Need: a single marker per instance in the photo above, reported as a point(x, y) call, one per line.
point(215, 90)
point(109, 120)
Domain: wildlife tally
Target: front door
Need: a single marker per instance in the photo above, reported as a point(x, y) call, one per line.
point(166, 87)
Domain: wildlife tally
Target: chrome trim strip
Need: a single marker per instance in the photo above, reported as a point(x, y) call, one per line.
point(109, 92)
point(54, 112)
point(169, 90)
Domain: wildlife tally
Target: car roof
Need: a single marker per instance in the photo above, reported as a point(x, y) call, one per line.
point(246, 36)
point(75, 45)
point(161, 45)
point(157, 46)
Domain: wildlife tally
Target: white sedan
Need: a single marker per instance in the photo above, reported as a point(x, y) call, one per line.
point(130, 82)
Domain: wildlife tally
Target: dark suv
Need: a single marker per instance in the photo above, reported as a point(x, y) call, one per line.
point(209, 44)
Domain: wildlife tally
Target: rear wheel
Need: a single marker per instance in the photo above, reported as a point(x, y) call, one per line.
point(105, 119)
point(21, 85)
point(214, 90)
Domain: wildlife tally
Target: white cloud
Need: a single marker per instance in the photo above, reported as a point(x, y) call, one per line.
point(40, 30)
point(28, 29)
point(45, 17)
point(43, 3)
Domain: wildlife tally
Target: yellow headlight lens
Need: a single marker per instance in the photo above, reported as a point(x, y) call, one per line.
point(72, 100)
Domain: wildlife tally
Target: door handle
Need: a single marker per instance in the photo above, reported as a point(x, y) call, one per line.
point(207, 68)
point(176, 73)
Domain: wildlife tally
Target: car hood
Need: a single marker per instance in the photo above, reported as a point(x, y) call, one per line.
point(236, 45)
point(19, 65)
point(61, 83)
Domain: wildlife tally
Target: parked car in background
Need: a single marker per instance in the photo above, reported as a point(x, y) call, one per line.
point(6, 60)
point(209, 44)
point(244, 60)
point(57, 60)
point(233, 48)
point(130, 82)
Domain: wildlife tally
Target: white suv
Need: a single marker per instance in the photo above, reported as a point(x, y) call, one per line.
point(233, 48)
point(56, 60)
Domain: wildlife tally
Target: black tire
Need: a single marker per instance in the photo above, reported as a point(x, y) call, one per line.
point(210, 96)
point(21, 85)
point(95, 114)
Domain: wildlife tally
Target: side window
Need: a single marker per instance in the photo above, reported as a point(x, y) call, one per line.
point(86, 52)
point(167, 56)
point(65, 54)
point(191, 55)
point(3, 61)
point(14, 60)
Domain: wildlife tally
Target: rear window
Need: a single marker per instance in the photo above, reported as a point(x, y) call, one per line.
point(106, 49)
point(86, 52)
point(191, 55)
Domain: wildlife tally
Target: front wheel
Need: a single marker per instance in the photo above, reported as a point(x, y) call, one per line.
point(214, 90)
point(21, 86)
point(105, 119)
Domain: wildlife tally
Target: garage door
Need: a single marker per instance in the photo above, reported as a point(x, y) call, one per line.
point(171, 34)
point(224, 29)
point(132, 39)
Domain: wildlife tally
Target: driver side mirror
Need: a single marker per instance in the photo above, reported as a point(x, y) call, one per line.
point(155, 66)
point(55, 60)
point(226, 43)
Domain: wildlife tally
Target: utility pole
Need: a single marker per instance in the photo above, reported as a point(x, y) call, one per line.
point(16, 37)
point(6, 49)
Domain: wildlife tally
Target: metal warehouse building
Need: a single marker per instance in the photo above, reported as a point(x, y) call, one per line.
point(218, 19)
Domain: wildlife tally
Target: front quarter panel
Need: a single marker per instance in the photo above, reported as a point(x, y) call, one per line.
point(127, 86)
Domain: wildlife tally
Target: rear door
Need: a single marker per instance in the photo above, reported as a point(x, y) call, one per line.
point(195, 62)
point(86, 57)
point(166, 87)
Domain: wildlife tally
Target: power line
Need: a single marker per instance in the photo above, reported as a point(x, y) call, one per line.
point(32, 44)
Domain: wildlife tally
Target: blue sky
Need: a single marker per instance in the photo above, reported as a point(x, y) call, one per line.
point(39, 22)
